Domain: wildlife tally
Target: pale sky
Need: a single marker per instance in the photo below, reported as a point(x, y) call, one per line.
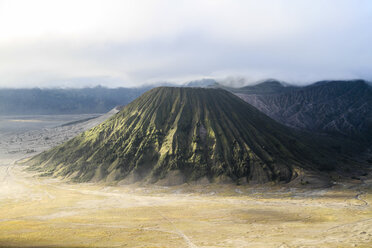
point(47, 43)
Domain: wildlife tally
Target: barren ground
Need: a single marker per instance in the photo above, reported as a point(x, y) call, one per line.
point(46, 212)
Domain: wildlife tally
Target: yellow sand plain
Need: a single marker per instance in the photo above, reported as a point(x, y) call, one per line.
point(45, 212)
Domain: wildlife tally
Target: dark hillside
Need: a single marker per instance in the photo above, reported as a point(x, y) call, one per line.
point(341, 108)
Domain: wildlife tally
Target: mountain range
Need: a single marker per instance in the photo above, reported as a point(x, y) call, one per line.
point(65, 101)
point(174, 135)
point(341, 108)
point(58, 101)
point(337, 108)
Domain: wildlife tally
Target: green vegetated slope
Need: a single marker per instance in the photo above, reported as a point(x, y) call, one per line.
point(196, 132)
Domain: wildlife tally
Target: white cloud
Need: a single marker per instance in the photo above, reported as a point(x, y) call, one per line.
point(54, 43)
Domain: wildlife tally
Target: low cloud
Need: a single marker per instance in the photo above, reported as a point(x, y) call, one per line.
point(129, 43)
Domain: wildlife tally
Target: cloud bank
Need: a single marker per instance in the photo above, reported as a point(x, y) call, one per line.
point(127, 43)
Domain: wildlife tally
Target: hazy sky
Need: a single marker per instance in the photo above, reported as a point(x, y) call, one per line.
point(125, 43)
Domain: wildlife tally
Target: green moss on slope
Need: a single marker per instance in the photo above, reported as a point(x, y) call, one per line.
point(198, 132)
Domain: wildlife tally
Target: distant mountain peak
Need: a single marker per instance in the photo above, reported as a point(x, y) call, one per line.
point(359, 82)
point(272, 82)
point(205, 82)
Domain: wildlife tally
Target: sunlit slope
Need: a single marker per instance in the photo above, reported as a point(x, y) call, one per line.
point(193, 132)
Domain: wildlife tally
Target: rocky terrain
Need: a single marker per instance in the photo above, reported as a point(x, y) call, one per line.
point(341, 108)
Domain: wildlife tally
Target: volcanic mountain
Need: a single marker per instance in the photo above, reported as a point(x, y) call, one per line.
point(189, 134)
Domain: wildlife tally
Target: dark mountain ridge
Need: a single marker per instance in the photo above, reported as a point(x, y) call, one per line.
point(266, 87)
point(342, 108)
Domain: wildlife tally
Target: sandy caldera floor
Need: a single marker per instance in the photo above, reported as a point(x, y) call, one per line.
point(46, 212)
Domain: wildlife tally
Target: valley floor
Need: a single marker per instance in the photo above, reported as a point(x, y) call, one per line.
point(46, 212)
